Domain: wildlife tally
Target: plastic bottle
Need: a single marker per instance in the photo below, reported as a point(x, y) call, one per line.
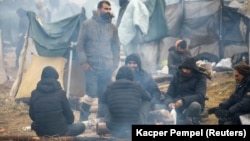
point(173, 114)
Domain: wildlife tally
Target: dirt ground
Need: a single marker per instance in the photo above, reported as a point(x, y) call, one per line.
point(14, 116)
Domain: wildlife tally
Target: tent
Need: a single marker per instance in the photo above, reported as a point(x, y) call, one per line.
point(213, 28)
point(50, 44)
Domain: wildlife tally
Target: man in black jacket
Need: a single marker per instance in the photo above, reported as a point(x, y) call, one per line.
point(238, 103)
point(126, 103)
point(186, 92)
point(144, 78)
point(49, 108)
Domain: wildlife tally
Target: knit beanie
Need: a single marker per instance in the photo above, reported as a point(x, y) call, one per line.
point(125, 72)
point(242, 68)
point(49, 72)
point(133, 57)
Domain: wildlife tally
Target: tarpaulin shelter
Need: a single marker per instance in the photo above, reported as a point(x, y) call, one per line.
point(49, 44)
point(215, 27)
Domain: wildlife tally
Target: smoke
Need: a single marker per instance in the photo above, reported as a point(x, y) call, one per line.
point(58, 9)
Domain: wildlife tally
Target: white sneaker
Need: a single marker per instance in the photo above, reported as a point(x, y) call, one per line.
point(86, 99)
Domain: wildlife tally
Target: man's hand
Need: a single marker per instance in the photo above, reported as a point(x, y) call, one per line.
point(212, 110)
point(171, 105)
point(222, 113)
point(178, 103)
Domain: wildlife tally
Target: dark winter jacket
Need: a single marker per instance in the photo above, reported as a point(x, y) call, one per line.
point(98, 44)
point(49, 108)
point(189, 88)
point(175, 59)
point(124, 99)
point(145, 79)
point(239, 101)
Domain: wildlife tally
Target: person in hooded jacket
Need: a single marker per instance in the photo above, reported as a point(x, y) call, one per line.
point(186, 93)
point(144, 78)
point(176, 55)
point(238, 103)
point(49, 108)
point(126, 103)
point(98, 48)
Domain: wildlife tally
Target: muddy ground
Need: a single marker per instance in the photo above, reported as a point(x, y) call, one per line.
point(14, 116)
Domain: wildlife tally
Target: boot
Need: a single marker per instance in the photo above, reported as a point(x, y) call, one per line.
point(85, 104)
point(183, 120)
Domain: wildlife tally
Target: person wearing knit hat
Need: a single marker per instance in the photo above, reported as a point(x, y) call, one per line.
point(49, 72)
point(186, 93)
point(49, 108)
point(230, 110)
point(176, 55)
point(144, 78)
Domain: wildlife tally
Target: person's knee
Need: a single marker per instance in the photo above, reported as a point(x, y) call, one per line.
point(193, 110)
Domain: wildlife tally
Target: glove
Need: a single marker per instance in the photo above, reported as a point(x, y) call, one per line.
point(222, 113)
point(212, 110)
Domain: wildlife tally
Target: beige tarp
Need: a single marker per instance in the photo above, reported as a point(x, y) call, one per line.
point(33, 73)
point(3, 75)
point(29, 72)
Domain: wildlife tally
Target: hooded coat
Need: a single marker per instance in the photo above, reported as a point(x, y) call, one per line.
point(239, 101)
point(124, 99)
point(98, 44)
point(189, 88)
point(49, 108)
point(145, 79)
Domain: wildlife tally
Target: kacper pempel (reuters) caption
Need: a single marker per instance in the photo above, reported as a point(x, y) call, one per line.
point(191, 132)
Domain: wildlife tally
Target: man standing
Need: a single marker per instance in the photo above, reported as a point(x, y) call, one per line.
point(99, 52)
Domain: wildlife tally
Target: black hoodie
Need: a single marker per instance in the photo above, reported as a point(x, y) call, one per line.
point(49, 107)
point(145, 79)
